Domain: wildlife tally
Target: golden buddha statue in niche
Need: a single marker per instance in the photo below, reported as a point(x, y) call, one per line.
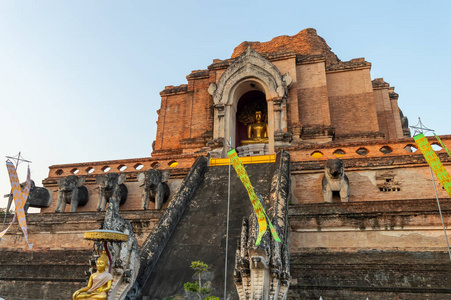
point(257, 132)
point(99, 282)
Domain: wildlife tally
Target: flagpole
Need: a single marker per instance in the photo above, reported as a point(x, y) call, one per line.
point(229, 144)
point(440, 210)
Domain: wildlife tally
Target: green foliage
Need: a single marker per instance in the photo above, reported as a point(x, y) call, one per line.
point(196, 287)
point(205, 290)
point(199, 266)
point(191, 287)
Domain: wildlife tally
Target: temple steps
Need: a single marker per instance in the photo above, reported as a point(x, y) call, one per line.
point(200, 233)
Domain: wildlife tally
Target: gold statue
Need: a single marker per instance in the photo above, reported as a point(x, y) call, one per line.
point(99, 282)
point(256, 132)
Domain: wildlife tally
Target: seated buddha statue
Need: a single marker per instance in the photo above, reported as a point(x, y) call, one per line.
point(99, 283)
point(256, 132)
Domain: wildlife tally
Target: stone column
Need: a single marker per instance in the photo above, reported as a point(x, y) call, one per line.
point(277, 106)
point(219, 114)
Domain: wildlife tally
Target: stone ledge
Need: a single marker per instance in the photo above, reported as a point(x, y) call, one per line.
point(353, 64)
point(361, 135)
point(393, 95)
point(173, 90)
point(185, 161)
point(379, 83)
point(198, 74)
point(369, 207)
point(309, 59)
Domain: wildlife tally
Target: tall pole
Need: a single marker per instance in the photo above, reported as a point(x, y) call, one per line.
point(229, 144)
point(440, 210)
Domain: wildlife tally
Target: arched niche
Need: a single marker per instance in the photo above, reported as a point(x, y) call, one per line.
point(248, 104)
point(249, 72)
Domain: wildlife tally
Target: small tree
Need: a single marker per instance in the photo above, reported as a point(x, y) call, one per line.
point(196, 287)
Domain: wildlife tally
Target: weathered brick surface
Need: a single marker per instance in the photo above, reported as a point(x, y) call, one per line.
point(414, 183)
point(395, 112)
point(379, 250)
point(387, 109)
point(306, 42)
point(185, 117)
point(128, 166)
point(172, 118)
point(408, 225)
point(49, 274)
point(373, 274)
point(66, 230)
point(312, 95)
point(288, 66)
point(351, 102)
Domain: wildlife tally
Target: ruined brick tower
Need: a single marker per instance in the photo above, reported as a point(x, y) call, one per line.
point(310, 97)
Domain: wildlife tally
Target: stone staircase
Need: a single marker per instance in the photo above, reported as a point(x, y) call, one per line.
point(200, 233)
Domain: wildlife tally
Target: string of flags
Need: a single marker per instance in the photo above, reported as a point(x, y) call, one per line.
point(20, 197)
point(262, 217)
point(433, 160)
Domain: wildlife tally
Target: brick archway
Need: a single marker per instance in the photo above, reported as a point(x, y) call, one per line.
point(250, 71)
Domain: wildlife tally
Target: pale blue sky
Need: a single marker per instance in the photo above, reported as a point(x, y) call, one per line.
point(80, 80)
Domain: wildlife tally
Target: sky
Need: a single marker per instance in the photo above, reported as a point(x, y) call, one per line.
point(80, 80)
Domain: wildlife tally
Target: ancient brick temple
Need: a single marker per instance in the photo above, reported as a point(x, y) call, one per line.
point(309, 94)
point(377, 234)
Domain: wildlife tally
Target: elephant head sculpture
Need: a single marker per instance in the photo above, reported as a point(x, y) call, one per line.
point(335, 180)
point(71, 191)
point(111, 186)
point(38, 197)
point(155, 187)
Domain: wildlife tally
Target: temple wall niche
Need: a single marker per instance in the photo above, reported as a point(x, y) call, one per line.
point(351, 102)
point(312, 94)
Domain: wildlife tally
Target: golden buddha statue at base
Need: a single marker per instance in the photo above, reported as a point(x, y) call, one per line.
point(99, 283)
point(257, 133)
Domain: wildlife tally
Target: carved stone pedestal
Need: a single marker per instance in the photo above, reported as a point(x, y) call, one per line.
point(253, 150)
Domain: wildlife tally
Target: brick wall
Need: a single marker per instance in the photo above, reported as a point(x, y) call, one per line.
point(312, 94)
point(352, 107)
point(66, 230)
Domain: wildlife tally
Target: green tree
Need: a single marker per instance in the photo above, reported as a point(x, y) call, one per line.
point(196, 287)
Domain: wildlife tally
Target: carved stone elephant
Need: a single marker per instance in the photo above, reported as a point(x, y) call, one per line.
point(335, 180)
point(111, 186)
point(38, 197)
point(71, 191)
point(155, 187)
